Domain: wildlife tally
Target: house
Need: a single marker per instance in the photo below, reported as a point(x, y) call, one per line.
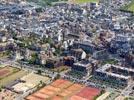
point(54, 62)
point(85, 45)
point(3, 38)
point(130, 59)
point(68, 61)
point(101, 55)
point(79, 54)
point(18, 55)
point(43, 57)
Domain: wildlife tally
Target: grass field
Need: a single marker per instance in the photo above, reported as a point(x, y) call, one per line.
point(110, 61)
point(6, 71)
point(47, 2)
point(11, 78)
point(60, 69)
point(52, 2)
point(84, 1)
point(129, 7)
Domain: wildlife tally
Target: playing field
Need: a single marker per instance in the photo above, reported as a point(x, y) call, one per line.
point(84, 1)
point(10, 78)
point(6, 71)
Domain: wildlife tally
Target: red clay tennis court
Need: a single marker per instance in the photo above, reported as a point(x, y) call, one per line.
point(5, 71)
point(65, 90)
point(57, 98)
point(75, 87)
point(88, 93)
point(33, 98)
point(75, 97)
point(58, 82)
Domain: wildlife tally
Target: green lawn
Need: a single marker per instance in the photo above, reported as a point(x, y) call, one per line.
point(84, 1)
point(11, 78)
point(4, 54)
point(110, 61)
point(46, 2)
point(129, 7)
point(52, 2)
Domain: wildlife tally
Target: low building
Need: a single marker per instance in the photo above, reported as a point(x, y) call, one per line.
point(68, 61)
point(86, 46)
point(54, 62)
point(79, 54)
point(130, 59)
point(84, 67)
point(114, 73)
point(101, 55)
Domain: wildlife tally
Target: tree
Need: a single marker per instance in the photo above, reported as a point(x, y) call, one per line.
point(33, 59)
point(48, 40)
point(57, 77)
point(0, 89)
point(39, 72)
point(14, 35)
point(58, 51)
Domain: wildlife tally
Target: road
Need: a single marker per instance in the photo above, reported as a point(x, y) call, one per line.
point(128, 89)
point(30, 68)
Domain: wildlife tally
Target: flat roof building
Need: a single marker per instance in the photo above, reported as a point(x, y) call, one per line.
point(116, 73)
point(83, 66)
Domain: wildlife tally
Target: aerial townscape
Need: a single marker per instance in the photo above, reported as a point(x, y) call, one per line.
point(66, 49)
